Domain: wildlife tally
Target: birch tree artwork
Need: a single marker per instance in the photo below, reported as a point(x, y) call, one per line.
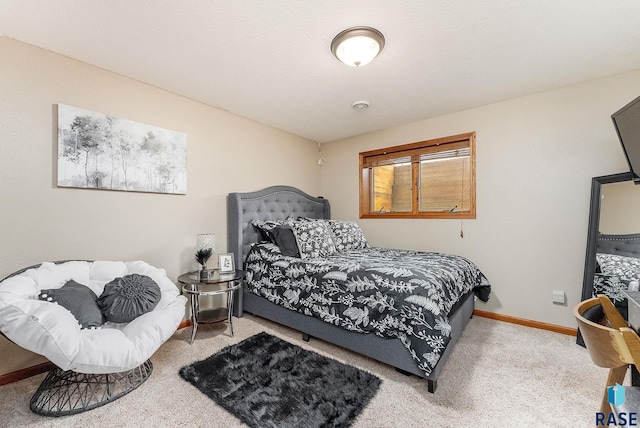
point(96, 151)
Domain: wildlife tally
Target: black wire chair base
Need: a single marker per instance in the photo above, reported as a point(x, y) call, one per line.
point(64, 393)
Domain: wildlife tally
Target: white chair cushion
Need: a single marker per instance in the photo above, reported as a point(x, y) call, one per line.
point(52, 331)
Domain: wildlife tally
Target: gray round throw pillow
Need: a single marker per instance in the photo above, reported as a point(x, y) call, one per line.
point(126, 298)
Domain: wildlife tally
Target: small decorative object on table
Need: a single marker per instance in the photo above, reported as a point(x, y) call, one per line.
point(206, 245)
point(225, 263)
point(201, 257)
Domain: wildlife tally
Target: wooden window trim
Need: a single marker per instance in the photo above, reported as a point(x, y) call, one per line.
point(370, 158)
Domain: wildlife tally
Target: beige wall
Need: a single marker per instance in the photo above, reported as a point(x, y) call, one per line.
point(620, 209)
point(535, 159)
point(39, 221)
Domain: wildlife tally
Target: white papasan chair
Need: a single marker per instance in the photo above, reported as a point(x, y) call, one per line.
point(99, 363)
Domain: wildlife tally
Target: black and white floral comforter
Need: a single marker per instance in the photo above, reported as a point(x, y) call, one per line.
point(392, 293)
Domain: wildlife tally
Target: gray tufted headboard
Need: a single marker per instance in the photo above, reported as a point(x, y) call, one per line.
point(272, 203)
point(622, 245)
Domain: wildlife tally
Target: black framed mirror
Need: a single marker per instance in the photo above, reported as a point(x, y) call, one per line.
point(593, 231)
point(594, 227)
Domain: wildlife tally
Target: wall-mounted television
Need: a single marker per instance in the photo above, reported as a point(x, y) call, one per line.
point(627, 124)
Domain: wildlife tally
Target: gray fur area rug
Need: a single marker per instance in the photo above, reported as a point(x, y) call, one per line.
point(268, 382)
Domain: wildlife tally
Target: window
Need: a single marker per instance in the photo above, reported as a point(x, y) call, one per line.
point(429, 179)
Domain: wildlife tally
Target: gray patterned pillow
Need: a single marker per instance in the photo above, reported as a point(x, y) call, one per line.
point(313, 238)
point(623, 267)
point(347, 235)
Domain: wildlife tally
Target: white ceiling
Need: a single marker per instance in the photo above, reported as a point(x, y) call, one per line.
point(269, 60)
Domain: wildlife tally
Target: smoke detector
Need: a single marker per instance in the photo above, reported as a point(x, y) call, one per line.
point(361, 105)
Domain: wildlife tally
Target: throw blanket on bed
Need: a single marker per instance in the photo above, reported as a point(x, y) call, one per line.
point(392, 293)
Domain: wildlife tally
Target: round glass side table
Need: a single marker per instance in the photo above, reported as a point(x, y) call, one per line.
point(216, 284)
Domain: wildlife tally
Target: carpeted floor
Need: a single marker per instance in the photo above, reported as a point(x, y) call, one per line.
point(499, 375)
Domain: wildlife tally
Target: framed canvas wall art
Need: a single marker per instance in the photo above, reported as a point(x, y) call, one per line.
point(97, 151)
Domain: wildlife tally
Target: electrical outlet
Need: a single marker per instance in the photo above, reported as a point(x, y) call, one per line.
point(558, 297)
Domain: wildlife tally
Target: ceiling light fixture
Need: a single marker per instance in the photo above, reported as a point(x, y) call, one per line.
point(357, 46)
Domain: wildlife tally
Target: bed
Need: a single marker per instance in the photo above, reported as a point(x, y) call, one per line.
point(279, 203)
